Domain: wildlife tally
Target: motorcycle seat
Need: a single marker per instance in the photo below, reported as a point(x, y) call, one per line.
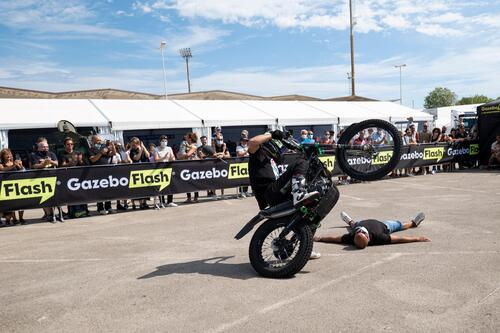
point(282, 209)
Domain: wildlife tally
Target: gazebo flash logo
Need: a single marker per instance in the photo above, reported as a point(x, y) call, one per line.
point(43, 188)
point(434, 153)
point(152, 177)
point(328, 161)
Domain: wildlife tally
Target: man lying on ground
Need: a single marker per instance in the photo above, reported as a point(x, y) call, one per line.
point(374, 232)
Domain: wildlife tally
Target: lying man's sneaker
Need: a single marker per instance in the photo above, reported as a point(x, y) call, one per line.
point(418, 219)
point(347, 219)
point(301, 196)
point(315, 255)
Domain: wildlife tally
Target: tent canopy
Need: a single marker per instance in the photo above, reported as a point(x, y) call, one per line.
point(145, 114)
point(346, 113)
point(395, 112)
point(226, 113)
point(293, 113)
point(46, 113)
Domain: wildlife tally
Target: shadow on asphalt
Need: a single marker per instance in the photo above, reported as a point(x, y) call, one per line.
point(212, 266)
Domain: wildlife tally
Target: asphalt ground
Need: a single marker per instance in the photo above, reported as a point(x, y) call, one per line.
point(180, 270)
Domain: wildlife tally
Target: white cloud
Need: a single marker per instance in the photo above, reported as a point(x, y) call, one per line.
point(432, 17)
point(52, 16)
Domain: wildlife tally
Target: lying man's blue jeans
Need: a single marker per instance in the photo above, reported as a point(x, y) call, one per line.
point(392, 225)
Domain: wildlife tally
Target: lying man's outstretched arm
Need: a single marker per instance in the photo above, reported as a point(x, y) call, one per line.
point(408, 239)
point(328, 239)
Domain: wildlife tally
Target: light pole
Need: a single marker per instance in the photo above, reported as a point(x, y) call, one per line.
point(349, 78)
point(186, 54)
point(400, 86)
point(163, 45)
point(351, 24)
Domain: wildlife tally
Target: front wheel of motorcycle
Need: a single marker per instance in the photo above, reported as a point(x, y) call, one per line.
point(369, 150)
point(277, 258)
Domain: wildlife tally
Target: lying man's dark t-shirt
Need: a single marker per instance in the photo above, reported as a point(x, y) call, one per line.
point(378, 231)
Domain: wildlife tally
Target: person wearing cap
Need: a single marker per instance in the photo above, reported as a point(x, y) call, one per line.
point(373, 232)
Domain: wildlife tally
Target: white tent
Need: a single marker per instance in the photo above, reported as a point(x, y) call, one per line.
point(129, 114)
point(293, 113)
point(226, 113)
point(346, 113)
point(395, 112)
point(46, 113)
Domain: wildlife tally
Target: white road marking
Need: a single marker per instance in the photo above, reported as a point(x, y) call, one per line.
point(484, 299)
point(351, 197)
point(273, 307)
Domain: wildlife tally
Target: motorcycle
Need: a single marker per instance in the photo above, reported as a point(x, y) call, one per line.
point(282, 245)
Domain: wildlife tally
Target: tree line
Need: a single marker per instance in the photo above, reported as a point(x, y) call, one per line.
point(440, 97)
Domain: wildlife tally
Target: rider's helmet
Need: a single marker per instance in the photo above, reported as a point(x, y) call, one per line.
point(275, 149)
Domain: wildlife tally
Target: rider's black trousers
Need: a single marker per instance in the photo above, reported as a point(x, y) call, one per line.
point(280, 190)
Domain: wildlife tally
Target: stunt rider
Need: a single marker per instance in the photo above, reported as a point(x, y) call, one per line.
point(271, 188)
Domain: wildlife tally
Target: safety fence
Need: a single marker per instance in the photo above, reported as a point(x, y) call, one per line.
point(76, 185)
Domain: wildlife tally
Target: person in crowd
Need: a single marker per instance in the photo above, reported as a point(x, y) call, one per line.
point(378, 137)
point(244, 134)
point(221, 151)
point(122, 205)
point(424, 135)
point(182, 149)
point(374, 232)
point(444, 131)
point(164, 153)
point(360, 138)
point(461, 134)
point(332, 137)
point(327, 138)
point(408, 139)
point(42, 158)
point(218, 131)
point(436, 135)
point(305, 137)
point(70, 157)
point(242, 151)
point(99, 154)
point(205, 151)
point(452, 135)
point(414, 134)
point(8, 163)
point(495, 152)
point(435, 138)
point(191, 154)
point(152, 149)
point(138, 154)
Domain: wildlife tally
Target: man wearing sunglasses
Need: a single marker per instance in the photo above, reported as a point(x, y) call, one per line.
point(374, 232)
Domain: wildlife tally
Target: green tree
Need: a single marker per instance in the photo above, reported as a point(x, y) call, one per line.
point(440, 97)
point(476, 99)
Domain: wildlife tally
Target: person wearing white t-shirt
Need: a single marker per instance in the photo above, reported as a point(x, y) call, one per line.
point(164, 153)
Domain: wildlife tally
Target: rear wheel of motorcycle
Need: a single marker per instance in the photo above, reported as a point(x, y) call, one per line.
point(369, 165)
point(283, 260)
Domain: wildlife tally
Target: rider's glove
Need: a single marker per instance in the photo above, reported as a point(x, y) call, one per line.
point(277, 135)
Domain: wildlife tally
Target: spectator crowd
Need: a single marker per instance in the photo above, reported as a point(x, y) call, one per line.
point(105, 152)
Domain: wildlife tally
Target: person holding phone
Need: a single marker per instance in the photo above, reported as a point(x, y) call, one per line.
point(8, 163)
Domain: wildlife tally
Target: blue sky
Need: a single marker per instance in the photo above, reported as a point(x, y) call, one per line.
point(262, 47)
